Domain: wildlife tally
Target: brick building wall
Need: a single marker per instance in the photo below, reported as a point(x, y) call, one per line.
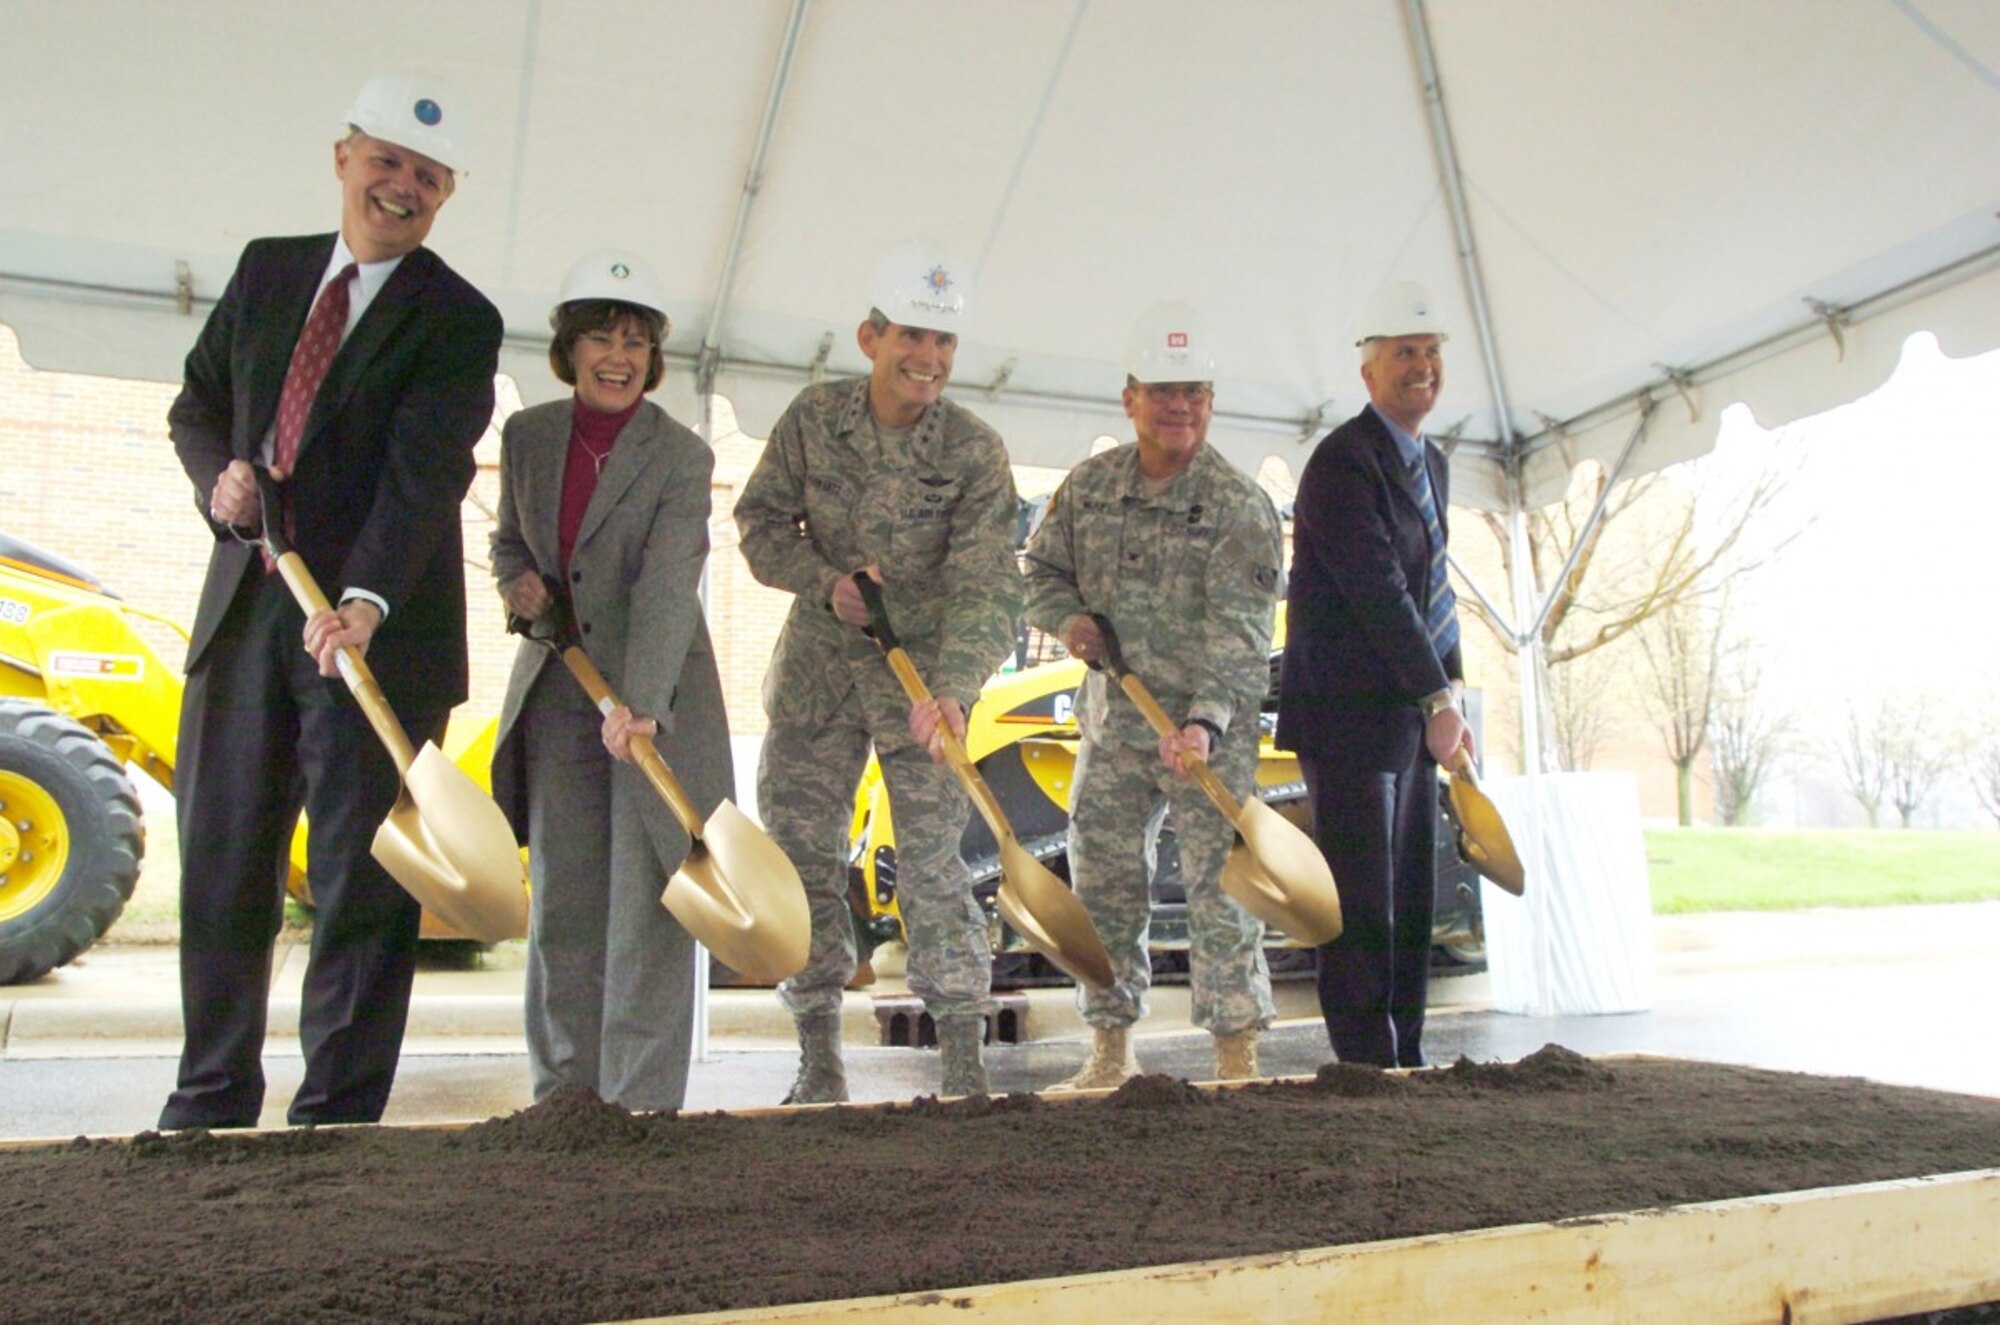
point(87, 473)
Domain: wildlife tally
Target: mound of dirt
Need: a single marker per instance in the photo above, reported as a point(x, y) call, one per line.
point(575, 1210)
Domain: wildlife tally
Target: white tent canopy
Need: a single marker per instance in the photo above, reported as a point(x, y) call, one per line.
point(1687, 201)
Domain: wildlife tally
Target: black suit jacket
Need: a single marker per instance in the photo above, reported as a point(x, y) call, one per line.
point(385, 459)
point(1355, 635)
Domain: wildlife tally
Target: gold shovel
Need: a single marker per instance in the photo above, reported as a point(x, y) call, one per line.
point(736, 891)
point(445, 840)
point(1274, 871)
point(1038, 905)
point(1483, 838)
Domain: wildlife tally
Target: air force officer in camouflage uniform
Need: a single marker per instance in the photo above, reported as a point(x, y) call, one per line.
point(1181, 553)
point(883, 474)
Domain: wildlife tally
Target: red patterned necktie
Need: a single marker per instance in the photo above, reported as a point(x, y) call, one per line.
point(310, 359)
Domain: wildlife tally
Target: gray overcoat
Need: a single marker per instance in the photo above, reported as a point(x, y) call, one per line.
point(634, 582)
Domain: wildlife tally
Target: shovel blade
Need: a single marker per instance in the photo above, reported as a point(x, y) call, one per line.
point(1042, 910)
point(1485, 841)
point(741, 896)
point(406, 849)
point(451, 848)
point(1279, 875)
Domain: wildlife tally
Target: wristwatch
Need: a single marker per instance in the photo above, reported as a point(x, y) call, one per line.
point(1438, 702)
point(1214, 729)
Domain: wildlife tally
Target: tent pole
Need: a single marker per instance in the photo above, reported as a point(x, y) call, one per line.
point(1474, 282)
point(1536, 856)
point(1596, 515)
point(710, 361)
point(1461, 220)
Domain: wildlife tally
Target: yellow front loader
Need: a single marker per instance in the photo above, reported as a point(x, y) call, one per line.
point(83, 695)
point(84, 698)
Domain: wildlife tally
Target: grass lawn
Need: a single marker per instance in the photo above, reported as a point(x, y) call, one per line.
point(1692, 869)
point(1754, 869)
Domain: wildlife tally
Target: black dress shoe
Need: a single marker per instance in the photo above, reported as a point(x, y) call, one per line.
point(175, 1121)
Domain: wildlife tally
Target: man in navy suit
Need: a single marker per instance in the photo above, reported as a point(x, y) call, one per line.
point(371, 470)
point(1368, 694)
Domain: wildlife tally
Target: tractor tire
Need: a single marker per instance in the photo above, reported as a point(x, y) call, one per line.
point(70, 840)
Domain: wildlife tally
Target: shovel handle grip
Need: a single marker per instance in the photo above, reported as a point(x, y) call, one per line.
point(354, 669)
point(649, 761)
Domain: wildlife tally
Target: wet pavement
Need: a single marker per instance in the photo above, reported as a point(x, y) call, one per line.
point(1901, 995)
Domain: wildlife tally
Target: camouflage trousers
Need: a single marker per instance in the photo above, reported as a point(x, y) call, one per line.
point(1118, 788)
point(806, 783)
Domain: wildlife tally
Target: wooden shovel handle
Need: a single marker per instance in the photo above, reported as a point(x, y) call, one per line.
point(648, 756)
point(884, 635)
point(353, 668)
point(1135, 690)
point(960, 762)
point(1197, 767)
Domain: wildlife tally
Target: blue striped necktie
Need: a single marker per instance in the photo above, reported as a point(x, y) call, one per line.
point(1441, 604)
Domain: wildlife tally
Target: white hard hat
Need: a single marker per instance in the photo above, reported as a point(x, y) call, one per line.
point(1170, 343)
point(1400, 308)
point(919, 284)
point(615, 274)
point(416, 113)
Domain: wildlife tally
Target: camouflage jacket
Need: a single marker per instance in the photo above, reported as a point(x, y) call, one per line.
point(938, 514)
point(1189, 578)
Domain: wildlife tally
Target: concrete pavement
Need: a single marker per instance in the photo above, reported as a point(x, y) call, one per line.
point(124, 999)
point(1902, 995)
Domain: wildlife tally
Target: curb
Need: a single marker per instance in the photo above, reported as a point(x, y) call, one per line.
point(39, 1027)
point(31, 1025)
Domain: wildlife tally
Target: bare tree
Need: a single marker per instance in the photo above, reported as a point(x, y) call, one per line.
point(1580, 720)
point(1862, 751)
point(1746, 734)
point(1701, 546)
point(1985, 761)
point(1683, 647)
point(1655, 545)
point(1916, 753)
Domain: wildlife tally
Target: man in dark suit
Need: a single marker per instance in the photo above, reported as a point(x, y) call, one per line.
point(1371, 677)
point(367, 417)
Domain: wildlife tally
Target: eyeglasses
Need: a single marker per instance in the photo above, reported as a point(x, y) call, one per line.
point(1192, 392)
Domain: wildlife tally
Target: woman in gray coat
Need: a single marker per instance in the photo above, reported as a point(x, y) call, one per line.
point(606, 499)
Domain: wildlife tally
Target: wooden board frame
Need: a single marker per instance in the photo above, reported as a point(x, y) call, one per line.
point(1829, 1256)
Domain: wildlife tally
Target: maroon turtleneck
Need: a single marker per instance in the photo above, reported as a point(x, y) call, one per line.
point(592, 434)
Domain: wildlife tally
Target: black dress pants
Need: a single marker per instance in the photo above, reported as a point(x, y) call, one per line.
point(1374, 804)
point(263, 734)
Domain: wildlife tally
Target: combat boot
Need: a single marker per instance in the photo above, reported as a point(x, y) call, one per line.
point(1236, 1056)
point(959, 1039)
point(822, 1077)
point(1112, 1061)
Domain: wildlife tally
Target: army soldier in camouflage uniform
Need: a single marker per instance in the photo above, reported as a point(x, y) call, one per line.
point(883, 474)
point(1181, 553)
